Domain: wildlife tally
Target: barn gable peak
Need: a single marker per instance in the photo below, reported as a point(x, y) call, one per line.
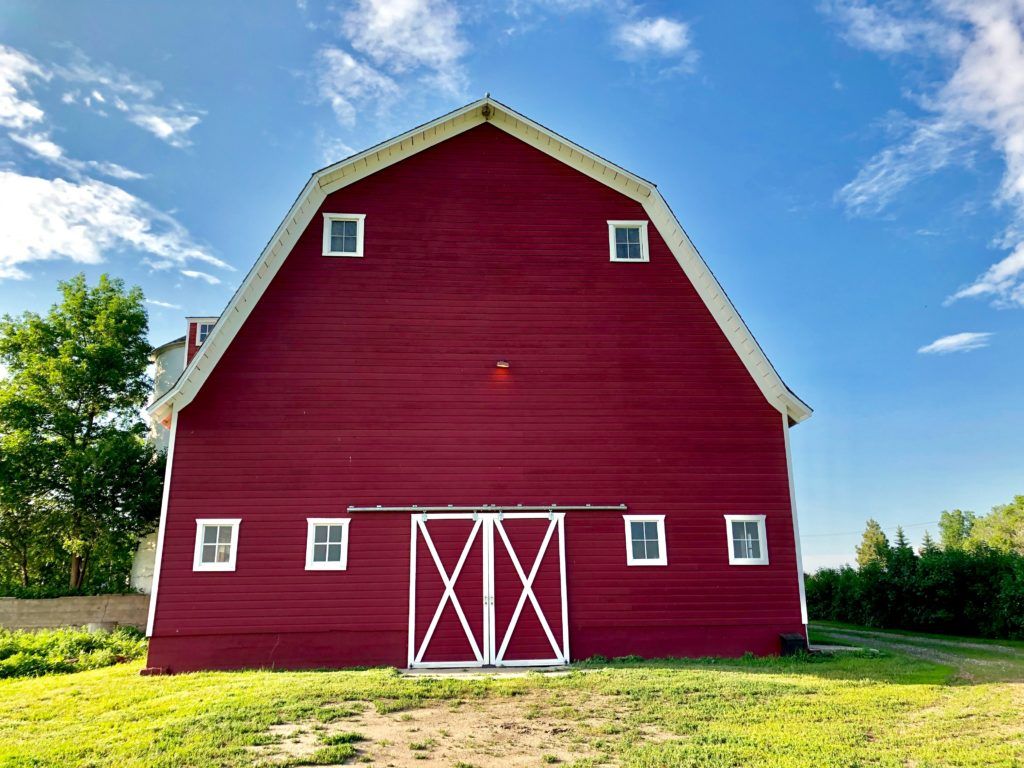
point(340, 174)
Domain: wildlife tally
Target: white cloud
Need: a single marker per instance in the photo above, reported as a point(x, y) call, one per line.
point(16, 71)
point(196, 275)
point(957, 342)
point(660, 36)
point(345, 83)
point(983, 43)
point(49, 219)
point(403, 36)
point(41, 145)
point(875, 28)
point(394, 44)
point(136, 98)
point(170, 125)
point(163, 304)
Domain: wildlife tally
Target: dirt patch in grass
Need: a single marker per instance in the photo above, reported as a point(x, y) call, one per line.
point(528, 730)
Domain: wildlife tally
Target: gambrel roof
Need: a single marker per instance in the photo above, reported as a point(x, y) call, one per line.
point(359, 166)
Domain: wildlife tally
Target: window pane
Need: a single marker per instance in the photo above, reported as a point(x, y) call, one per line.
point(621, 251)
point(349, 244)
point(337, 228)
point(651, 531)
point(639, 552)
point(737, 530)
point(224, 534)
point(334, 553)
point(337, 243)
point(223, 553)
point(755, 549)
point(636, 530)
point(209, 554)
point(753, 531)
point(319, 553)
point(652, 549)
point(209, 534)
point(335, 534)
point(350, 228)
point(620, 234)
point(634, 250)
point(739, 550)
point(320, 533)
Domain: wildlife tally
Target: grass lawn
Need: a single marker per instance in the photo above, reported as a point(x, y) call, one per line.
point(919, 701)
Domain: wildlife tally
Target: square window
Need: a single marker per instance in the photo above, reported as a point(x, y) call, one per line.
point(343, 234)
point(645, 540)
point(627, 240)
point(203, 331)
point(327, 544)
point(747, 542)
point(216, 545)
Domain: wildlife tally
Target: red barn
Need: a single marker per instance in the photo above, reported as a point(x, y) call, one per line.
point(479, 402)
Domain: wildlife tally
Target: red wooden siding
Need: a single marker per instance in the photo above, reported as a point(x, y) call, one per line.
point(190, 342)
point(365, 381)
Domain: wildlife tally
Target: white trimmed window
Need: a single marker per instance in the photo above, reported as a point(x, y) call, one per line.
point(327, 543)
point(645, 540)
point(627, 240)
point(747, 542)
point(343, 234)
point(216, 544)
point(203, 330)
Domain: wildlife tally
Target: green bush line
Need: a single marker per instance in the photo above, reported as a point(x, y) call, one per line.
point(31, 654)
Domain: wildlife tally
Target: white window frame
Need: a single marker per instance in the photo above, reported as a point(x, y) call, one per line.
point(311, 524)
point(197, 559)
point(762, 536)
point(662, 548)
point(358, 218)
point(199, 327)
point(645, 255)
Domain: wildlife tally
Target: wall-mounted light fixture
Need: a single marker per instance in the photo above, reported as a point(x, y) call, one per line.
point(503, 364)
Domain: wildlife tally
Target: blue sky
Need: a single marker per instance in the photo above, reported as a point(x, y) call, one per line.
point(853, 172)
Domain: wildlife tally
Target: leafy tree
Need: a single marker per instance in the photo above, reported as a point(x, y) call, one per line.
point(874, 546)
point(74, 464)
point(1003, 528)
point(955, 528)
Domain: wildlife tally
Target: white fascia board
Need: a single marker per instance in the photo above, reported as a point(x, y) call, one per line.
point(359, 166)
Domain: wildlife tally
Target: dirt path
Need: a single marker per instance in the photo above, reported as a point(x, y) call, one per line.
point(961, 655)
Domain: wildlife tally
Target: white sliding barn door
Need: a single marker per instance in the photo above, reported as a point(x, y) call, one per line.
point(488, 589)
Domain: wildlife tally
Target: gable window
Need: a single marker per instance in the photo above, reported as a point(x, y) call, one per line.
point(747, 542)
point(327, 544)
point(645, 540)
point(627, 240)
point(203, 330)
point(216, 544)
point(343, 234)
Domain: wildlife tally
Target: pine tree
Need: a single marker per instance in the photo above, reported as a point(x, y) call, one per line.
point(928, 545)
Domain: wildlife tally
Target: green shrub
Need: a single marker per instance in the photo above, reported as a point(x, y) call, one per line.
point(30, 654)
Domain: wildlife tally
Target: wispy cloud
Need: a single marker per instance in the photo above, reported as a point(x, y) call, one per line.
point(957, 342)
point(204, 276)
point(48, 219)
point(16, 71)
point(659, 37)
point(78, 218)
point(137, 99)
point(391, 46)
point(162, 304)
point(982, 43)
point(346, 83)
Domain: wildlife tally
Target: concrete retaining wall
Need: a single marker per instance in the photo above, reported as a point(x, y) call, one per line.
point(106, 611)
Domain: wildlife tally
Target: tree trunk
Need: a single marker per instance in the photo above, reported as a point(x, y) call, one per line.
point(24, 569)
point(76, 571)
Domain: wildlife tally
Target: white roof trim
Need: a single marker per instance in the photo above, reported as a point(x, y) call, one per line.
point(359, 166)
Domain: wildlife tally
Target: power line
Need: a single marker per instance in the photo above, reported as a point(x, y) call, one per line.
point(857, 533)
